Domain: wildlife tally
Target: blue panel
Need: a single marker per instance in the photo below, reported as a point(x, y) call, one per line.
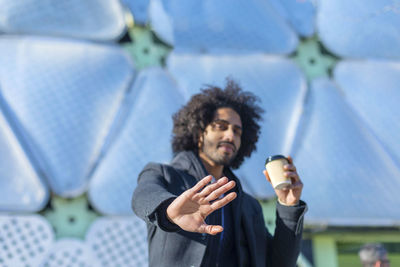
point(280, 86)
point(360, 29)
point(64, 100)
point(299, 13)
point(146, 137)
point(71, 252)
point(348, 176)
point(20, 187)
point(89, 19)
point(24, 240)
point(373, 90)
point(139, 9)
point(119, 241)
point(222, 26)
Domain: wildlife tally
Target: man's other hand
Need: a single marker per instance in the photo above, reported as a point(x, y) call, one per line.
point(289, 195)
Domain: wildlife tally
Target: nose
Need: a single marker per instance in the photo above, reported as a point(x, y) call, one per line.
point(229, 134)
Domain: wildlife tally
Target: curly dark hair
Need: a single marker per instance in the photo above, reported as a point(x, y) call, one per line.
point(192, 119)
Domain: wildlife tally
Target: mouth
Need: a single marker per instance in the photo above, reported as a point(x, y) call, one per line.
point(227, 147)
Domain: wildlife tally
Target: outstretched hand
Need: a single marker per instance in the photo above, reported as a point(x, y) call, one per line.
point(291, 194)
point(191, 208)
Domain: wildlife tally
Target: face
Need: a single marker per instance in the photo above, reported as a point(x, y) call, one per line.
point(220, 141)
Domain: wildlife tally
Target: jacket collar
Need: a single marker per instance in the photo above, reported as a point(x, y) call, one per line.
point(190, 162)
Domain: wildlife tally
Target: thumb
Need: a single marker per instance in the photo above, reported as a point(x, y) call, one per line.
point(210, 229)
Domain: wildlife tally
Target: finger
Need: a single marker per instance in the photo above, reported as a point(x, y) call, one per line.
point(297, 185)
point(212, 187)
point(223, 201)
point(222, 190)
point(202, 183)
point(291, 175)
point(210, 229)
point(266, 175)
point(284, 189)
point(294, 176)
point(293, 186)
point(289, 167)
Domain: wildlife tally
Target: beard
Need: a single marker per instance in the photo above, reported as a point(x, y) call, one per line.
point(210, 149)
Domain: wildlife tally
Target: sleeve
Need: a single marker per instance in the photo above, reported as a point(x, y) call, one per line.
point(151, 197)
point(284, 247)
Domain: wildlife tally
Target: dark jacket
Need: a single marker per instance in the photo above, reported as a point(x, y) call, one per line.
point(169, 245)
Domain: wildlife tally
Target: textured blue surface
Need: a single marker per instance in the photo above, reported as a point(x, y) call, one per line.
point(21, 188)
point(222, 26)
point(65, 98)
point(91, 19)
point(119, 241)
point(68, 252)
point(349, 177)
point(372, 88)
point(299, 13)
point(360, 28)
point(276, 81)
point(28, 240)
point(24, 240)
point(144, 137)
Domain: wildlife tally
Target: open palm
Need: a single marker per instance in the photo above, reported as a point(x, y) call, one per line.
point(192, 207)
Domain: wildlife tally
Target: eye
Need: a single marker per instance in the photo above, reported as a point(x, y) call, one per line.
point(220, 125)
point(238, 131)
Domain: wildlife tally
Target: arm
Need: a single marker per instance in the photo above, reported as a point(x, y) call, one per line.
point(284, 246)
point(153, 192)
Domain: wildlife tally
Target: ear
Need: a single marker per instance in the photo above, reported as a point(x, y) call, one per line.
point(201, 140)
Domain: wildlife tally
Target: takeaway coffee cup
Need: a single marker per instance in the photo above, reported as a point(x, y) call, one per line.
point(274, 166)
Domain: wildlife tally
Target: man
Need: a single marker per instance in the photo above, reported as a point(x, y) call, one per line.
point(373, 255)
point(195, 209)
